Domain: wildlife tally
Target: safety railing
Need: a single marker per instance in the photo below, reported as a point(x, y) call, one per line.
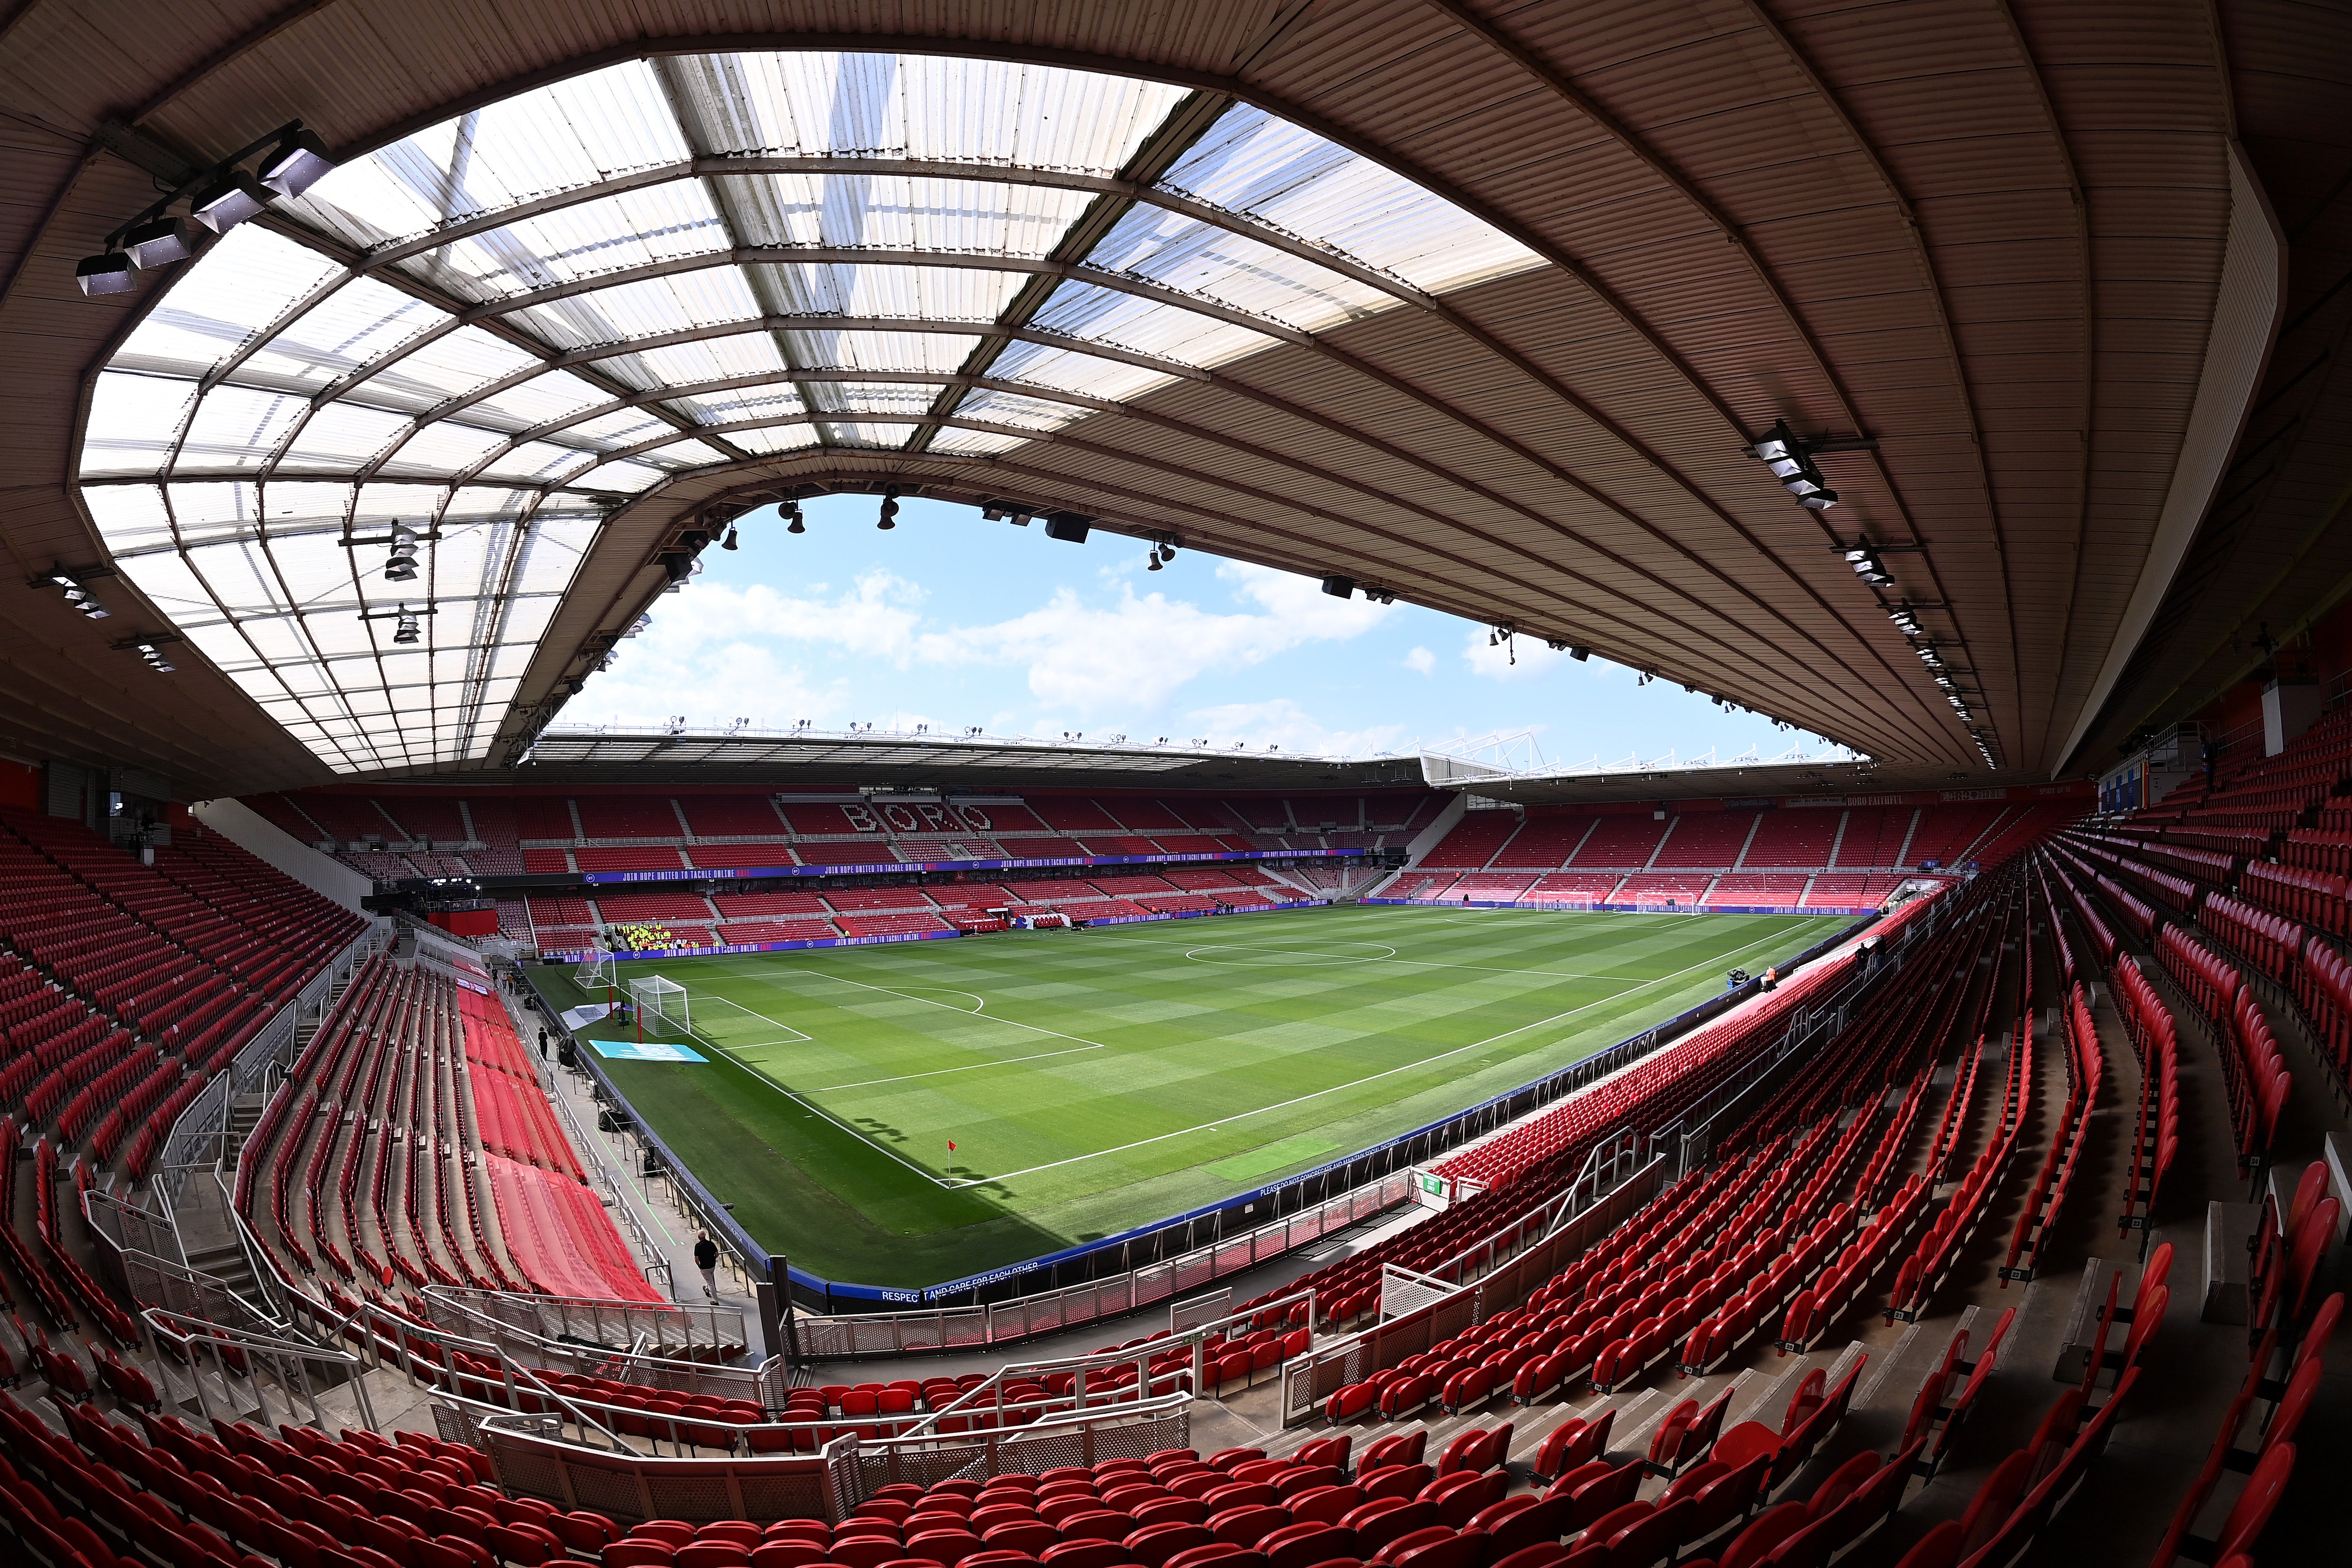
point(1310, 1379)
point(693, 1349)
point(245, 1354)
point(952, 1328)
point(203, 1129)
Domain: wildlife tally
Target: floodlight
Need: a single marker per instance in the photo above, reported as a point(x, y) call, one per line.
point(106, 274)
point(229, 201)
point(1819, 501)
point(1340, 587)
point(1580, 654)
point(406, 629)
point(296, 163)
point(1777, 444)
point(161, 242)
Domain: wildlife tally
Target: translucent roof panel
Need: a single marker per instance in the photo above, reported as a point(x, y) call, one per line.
point(1254, 163)
point(569, 298)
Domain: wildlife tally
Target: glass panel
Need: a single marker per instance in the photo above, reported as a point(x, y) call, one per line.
point(1072, 370)
point(1164, 331)
point(975, 443)
point(358, 324)
point(133, 420)
point(1215, 263)
point(703, 298)
point(342, 436)
point(1252, 162)
point(538, 460)
point(775, 438)
point(129, 517)
point(689, 364)
point(248, 279)
point(631, 229)
point(1011, 408)
point(924, 107)
point(884, 435)
point(559, 137)
point(449, 366)
point(443, 448)
point(238, 428)
point(922, 293)
point(549, 396)
point(746, 402)
point(818, 350)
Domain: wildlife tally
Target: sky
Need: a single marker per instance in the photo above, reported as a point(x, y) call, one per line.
point(954, 623)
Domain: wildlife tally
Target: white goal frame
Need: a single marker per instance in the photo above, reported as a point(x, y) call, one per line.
point(660, 1006)
point(595, 968)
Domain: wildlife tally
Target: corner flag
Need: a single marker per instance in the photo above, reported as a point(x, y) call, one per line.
point(951, 1145)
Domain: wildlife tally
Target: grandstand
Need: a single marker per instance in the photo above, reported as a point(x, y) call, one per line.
point(1924, 1148)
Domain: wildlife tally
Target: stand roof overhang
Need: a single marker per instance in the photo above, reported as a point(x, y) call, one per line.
point(1480, 308)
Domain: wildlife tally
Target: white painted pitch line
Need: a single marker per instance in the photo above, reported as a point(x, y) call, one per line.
point(1368, 1078)
point(1016, 1023)
point(774, 1023)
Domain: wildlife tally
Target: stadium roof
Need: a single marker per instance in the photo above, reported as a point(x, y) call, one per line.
point(1485, 309)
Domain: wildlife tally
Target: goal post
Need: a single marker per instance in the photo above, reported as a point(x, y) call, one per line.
point(595, 968)
point(660, 1006)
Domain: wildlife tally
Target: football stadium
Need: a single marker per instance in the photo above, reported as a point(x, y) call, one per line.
point(457, 1113)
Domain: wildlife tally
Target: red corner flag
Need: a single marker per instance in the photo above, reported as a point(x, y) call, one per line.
point(951, 1145)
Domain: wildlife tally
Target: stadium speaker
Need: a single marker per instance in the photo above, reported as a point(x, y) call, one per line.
point(1070, 527)
point(1340, 587)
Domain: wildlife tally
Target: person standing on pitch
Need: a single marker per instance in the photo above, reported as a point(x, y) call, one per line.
point(706, 1258)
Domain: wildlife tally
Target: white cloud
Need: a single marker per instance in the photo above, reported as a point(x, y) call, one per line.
point(1421, 661)
point(1131, 655)
point(1281, 722)
point(1518, 659)
point(753, 651)
point(710, 683)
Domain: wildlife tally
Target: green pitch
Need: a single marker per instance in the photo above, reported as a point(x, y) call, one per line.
point(1096, 1081)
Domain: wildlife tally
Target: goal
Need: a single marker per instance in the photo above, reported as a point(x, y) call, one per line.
point(660, 1005)
point(595, 968)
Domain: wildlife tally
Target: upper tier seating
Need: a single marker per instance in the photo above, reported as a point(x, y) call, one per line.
point(628, 816)
point(436, 818)
point(1792, 837)
point(1472, 841)
point(732, 816)
point(1619, 843)
point(1705, 840)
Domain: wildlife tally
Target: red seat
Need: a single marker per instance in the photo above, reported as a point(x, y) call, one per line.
point(713, 1554)
point(1153, 1544)
point(1090, 1553)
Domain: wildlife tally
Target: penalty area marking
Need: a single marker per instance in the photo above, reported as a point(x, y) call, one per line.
point(1288, 954)
point(1368, 1078)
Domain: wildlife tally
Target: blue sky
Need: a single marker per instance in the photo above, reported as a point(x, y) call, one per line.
point(953, 621)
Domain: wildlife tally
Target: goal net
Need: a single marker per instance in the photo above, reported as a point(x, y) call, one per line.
point(661, 1005)
point(595, 968)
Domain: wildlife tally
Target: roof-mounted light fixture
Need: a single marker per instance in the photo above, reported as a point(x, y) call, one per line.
point(298, 162)
point(401, 565)
point(74, 586)
point(149, 647)
point(219, 197)
point(1791, 459)
point(1868, 567)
